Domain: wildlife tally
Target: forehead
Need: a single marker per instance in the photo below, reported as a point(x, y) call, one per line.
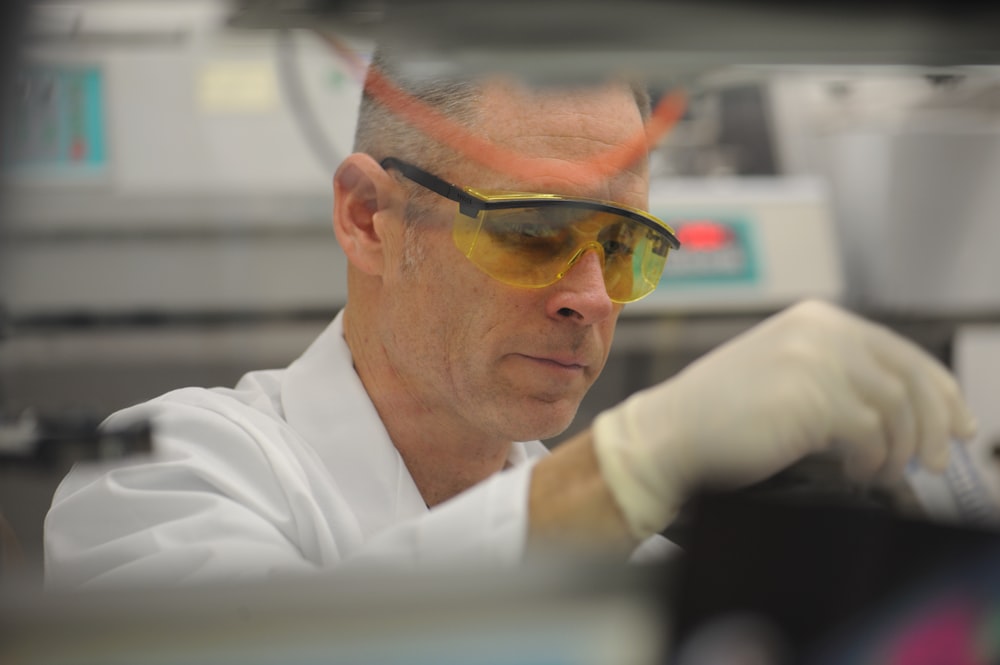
point(558, 127)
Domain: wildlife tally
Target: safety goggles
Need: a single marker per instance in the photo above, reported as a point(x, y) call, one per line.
point(533, 240)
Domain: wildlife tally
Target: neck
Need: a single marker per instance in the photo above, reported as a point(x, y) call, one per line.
point(444, 455)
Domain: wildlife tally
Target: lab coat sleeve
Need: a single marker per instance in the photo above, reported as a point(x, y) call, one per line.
point(221, 501)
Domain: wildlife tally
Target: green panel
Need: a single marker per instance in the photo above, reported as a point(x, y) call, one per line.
point(717, 250)
point(55, 121)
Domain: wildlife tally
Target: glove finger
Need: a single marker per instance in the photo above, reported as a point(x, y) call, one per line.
point(934, 402)
point(887, 394)
point(938, 385)
point(902, 440)
point(860, 438)
point(934, 420)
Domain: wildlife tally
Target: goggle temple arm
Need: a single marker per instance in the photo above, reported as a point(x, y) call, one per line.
point(468, 205)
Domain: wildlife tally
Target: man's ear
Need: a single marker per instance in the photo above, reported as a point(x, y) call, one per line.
point(363, 195)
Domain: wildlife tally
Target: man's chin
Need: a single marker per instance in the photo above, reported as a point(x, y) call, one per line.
point(545, 419)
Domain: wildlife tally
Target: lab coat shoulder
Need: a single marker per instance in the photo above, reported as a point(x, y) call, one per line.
point(228, 491)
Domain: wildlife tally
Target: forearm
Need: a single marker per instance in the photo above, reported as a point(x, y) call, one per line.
point(570, 504)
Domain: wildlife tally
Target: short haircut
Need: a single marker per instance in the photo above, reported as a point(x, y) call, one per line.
point(381, 132)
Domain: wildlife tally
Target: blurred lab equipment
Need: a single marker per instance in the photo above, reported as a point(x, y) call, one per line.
point(558, 614)
point(825, 582)
point(56, 443)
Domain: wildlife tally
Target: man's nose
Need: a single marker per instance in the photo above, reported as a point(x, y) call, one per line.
point(581, 294)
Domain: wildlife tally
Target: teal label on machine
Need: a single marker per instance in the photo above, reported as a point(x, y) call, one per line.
point(716, 250)
point(55, 122)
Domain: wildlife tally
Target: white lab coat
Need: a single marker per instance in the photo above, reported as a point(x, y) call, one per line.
point(290, 471)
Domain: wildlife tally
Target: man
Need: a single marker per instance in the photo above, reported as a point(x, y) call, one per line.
point(399, 437)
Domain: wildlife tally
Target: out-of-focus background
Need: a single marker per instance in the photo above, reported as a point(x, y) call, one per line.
point(167, 164)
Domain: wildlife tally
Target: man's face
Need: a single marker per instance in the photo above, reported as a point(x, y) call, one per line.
point(508, 362)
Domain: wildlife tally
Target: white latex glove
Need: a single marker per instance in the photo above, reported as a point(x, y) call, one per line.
point(810, 379)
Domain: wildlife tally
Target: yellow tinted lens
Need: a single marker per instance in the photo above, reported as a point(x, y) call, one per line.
point(520, 246)
point(536, 246)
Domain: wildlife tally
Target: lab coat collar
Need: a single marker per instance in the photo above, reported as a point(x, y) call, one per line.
point(325, 401)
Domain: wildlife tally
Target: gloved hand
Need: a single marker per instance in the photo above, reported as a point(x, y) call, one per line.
point(810, 379)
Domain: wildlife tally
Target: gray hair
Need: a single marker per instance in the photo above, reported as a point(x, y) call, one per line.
point(382, 133)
